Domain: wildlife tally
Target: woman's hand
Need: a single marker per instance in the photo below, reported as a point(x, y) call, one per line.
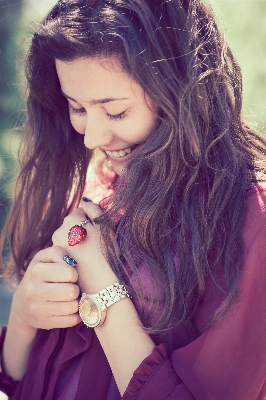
point(94, 271)
point(45, 298)
point(47, 295)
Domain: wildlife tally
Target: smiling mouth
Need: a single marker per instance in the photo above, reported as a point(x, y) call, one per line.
point(121, 153)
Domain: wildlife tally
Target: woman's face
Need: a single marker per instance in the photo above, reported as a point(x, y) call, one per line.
point(107, 107)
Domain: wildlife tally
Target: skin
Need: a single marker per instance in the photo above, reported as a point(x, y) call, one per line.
point(122, 337)
point(124, 117)
point(47, 296)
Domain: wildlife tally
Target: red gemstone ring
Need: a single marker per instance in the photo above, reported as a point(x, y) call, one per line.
point(77, 233)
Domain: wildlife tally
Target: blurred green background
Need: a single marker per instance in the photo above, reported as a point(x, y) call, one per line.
point(242, 21)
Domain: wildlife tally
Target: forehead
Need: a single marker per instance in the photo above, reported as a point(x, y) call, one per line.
point(86, 79)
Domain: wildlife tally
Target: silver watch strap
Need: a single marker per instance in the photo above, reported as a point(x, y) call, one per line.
point(111, 294)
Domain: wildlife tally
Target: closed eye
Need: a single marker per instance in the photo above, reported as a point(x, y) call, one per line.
point(117, 116)
point(74, 110)
point(82, 110)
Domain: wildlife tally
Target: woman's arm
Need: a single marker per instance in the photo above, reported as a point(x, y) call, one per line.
point(124, 341)
point(226, 362)
point(46, 298)
point(122, 337)
point(17, 346)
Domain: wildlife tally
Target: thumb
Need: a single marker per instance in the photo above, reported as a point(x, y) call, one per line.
point(92, 210)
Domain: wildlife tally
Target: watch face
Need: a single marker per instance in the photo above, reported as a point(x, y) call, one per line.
point(90, 312)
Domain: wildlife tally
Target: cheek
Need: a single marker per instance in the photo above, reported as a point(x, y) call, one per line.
point(147, 124)
point(137, 131)
point(78, 123)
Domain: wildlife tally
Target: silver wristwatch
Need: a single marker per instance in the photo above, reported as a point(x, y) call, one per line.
point(93, 307)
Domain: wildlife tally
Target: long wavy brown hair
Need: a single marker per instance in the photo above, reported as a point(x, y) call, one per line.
point(181, 200)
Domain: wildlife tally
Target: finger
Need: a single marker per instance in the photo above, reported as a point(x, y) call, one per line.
point(65, 321)
point(61, 307)
point(53, 272)
point(44, 311)
point(39, 315)
point(50, 254)
point(91, 209)
point(58, 292)
point(77, 215)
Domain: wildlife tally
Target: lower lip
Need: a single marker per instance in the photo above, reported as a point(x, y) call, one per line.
point(125, 158)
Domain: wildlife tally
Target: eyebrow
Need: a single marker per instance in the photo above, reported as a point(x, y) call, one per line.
point(100, 101)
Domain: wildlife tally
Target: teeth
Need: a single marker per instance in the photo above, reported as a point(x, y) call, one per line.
point(120, 153)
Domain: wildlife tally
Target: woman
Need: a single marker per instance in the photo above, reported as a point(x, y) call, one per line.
point(172, 261)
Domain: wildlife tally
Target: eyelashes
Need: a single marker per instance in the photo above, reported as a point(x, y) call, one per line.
point(74, 110)
point(117, 116)
point(81, 111)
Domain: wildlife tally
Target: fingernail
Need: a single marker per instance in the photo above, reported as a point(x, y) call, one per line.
point(86, 199)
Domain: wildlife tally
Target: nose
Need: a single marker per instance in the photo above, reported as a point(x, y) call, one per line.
point(96, 133)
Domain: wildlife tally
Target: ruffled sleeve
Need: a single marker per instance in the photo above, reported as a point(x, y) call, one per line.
point(7, 384)
point(156, 378)
point(228, 360)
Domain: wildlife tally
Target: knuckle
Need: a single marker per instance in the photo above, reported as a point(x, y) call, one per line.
point(54, 236)
point(72, 275)
point(57, 251)
point(34, 311)
point(75, 275)
point(75, 306)
point(34, 271)
point(72, 307)
point(30, 294)
point(42, 254)
point(77, 291)
point(37, 256)
point(37, 315)
point(74, 319)
point(73, 292)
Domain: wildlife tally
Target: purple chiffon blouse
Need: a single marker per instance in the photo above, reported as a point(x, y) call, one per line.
point(226, 362)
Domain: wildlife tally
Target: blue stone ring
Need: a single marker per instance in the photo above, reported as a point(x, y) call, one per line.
point(69, 260)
